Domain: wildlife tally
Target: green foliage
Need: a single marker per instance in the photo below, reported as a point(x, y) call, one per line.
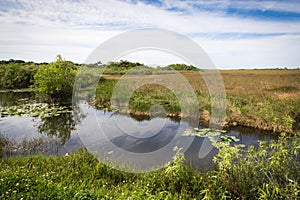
point(143, 98)
point(264, 113)
point(104, 92)
point(124, 66)
point(55, 81)
point(121, 67)
point(16, 74)
point(270, 172)
point(181, 67)
point(285, 124)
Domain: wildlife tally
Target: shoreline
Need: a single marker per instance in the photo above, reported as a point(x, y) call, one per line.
point(204, 117)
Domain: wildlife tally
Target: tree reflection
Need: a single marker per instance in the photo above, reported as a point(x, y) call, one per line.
point(59, 126)
point(8, 99)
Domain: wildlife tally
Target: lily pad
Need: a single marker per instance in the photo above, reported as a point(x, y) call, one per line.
point(34, 110)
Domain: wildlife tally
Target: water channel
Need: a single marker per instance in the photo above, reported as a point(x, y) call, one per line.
point(66, 133)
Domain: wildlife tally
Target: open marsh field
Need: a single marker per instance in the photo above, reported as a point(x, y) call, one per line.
point(275, 84)
point(264, 99)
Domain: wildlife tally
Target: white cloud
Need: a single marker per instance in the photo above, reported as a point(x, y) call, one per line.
point(286, 6)
point(153, 57)
point(278, 51)
point(38, 30)
point(43, 43)
point(223, 5)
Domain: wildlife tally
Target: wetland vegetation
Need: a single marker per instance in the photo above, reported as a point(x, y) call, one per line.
point(264, 99)
point(269, 172)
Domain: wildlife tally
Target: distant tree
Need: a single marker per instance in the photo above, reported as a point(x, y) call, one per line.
point(181, 67)
point(121, 67)
point(55, 81)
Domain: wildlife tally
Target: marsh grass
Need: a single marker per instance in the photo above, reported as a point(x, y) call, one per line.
point(255, 98)
point(259, 98)
point(146, 96)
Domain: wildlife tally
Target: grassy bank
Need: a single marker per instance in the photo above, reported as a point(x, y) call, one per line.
point(270, 172)
point(264, 99)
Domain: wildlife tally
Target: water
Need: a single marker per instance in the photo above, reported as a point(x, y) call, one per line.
point(124, 135)
point(14, 98)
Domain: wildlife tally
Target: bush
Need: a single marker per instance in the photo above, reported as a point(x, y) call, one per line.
point(55, 81)
point(16, 74)
point(269, 172)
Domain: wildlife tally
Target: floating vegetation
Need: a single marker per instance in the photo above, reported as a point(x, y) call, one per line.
point(204, 132)
point(35, 110)
point(214, 135)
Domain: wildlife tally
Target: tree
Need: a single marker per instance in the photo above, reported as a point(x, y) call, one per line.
point(55, 81)
point(16, 74)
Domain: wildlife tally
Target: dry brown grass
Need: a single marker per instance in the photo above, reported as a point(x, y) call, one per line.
point(277, 84)
point(263, 83)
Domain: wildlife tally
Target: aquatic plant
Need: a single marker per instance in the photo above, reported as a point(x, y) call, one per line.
point(42, 110)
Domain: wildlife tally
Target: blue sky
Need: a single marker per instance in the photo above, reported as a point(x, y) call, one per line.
point(234, 33)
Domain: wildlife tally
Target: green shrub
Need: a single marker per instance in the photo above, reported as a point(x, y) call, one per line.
point(269, 172)
point(55, 81)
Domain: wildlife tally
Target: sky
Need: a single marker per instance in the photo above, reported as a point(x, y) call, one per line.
point(236, 34)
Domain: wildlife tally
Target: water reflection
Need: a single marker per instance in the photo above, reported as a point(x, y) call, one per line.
point(250, 136)
point(25, 127)
point(59, 126)
point(8, 99)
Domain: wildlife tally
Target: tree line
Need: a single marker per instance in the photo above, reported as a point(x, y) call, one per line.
point(54, 81)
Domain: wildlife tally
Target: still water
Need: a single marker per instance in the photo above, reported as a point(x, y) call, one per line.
point(131, 134)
